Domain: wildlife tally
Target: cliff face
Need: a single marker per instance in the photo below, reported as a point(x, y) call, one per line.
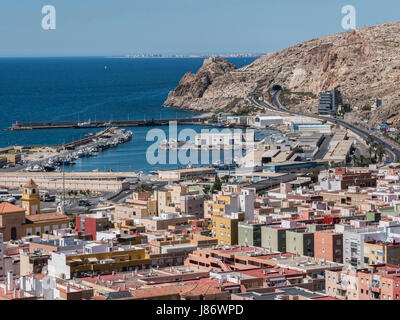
point(364, 64)
point(192, 87)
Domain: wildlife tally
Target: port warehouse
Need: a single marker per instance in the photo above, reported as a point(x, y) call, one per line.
point(94, 181)
point(291, 166)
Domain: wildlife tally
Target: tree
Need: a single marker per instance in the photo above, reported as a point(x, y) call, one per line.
point(143, 187)
point(225, 178)
point(217, 186)
point(379, 152)
point(354, 159)
point(206, 188)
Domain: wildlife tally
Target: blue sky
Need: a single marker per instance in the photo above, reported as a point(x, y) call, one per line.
point(119, 27)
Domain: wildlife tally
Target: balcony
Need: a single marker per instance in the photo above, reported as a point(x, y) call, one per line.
point(375, 287)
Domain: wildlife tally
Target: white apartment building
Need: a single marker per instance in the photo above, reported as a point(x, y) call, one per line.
point(354, 239)
point(246, 202)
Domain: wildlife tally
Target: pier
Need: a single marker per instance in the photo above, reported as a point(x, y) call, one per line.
point(74, 144)
point(102, 124)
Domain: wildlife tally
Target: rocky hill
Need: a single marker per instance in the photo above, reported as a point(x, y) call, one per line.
point(364, 64)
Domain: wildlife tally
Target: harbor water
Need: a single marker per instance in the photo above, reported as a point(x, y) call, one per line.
point(92, 88)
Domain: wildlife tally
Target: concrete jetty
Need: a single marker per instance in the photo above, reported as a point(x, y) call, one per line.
point(100, 124)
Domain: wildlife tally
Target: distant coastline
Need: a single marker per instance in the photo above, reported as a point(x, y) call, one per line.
point(162, 56)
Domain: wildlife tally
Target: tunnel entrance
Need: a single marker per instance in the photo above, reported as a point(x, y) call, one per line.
point(277, 87)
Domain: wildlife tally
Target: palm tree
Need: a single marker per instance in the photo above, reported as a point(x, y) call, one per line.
point(354, 159)
point(380, 152)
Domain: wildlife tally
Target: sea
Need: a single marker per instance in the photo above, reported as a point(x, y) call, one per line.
point(92, 88)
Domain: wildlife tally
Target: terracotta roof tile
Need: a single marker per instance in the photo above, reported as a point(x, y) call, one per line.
point(31, 184)
point(6, 207)
point(47, 217)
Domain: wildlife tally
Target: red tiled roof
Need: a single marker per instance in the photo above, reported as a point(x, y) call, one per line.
point(31, 184)
point(44, 217)
point(6, 207)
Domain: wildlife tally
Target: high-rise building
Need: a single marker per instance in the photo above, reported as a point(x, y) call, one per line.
point(329, 102)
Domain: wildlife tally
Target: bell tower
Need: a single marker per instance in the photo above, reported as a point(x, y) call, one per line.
point(31, 198)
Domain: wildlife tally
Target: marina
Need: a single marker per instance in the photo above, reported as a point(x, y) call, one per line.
point(107, 139)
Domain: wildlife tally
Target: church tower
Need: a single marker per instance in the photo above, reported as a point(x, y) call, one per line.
point(31, 198)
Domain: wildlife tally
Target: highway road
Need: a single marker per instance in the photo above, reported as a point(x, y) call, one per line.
point(392, 153)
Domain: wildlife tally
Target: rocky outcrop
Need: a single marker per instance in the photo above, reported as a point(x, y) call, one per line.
point(364, 64)
point(193, 86)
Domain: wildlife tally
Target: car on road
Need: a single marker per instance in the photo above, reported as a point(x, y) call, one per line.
point(84, 203)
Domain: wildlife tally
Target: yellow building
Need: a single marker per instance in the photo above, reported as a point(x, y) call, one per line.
point(142, 204)
point(31, 198)
point(44, 223)
point(225, 229)
point(378, 252)
point(169, 199)
point(103, 262)
point(35, 222)
point(225, 205)
point(13, 157)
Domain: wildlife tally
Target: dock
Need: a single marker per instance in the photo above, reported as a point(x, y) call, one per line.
point(103, 124)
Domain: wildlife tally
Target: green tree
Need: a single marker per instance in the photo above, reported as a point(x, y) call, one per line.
point(143, 187)
point(225, 178)
point(217, 186)
point(379, 152)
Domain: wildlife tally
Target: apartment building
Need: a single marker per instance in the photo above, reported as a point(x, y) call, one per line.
point(354, 240)
point(379, 283)
point(249, 234)
point(274, 237)
point(225, 228)
point(343, 178)
point(225, 204)
point(382, 252)
point(301, 243)
point(342, 284)
point(192, 205)
point(164, 221)
point(90, 224)
point(140, 205)
point(329, 102)
point(96, 258)
point(328, 245)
